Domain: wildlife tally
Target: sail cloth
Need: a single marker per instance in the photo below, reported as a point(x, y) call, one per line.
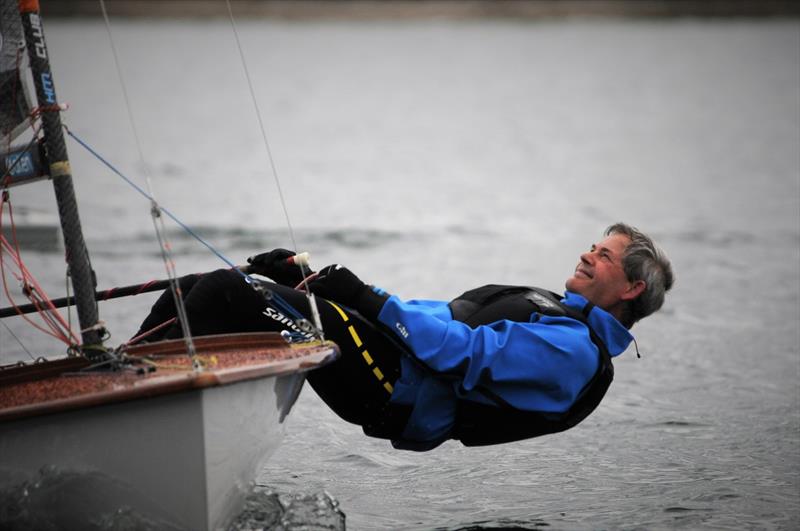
point(15, 93)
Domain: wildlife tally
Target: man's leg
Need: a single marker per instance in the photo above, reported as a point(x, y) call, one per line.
point(357, 386)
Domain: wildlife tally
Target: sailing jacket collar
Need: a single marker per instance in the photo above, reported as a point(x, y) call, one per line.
point(614, 335)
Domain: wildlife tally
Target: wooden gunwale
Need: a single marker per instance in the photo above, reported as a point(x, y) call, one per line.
point(228, 359)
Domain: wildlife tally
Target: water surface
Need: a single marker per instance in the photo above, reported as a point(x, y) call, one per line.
point(431, 157)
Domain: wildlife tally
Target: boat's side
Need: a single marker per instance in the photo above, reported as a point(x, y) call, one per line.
point(186, 446)
point(186, 457)
point(240, 434)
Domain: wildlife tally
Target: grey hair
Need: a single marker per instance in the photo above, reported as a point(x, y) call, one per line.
point(643, 260)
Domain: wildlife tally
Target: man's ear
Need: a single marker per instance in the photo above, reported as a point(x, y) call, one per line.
point(635, 289)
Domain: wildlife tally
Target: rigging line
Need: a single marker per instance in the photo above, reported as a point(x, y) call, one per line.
point(311, 301)
point(7, 292)
point(146, 195)
point(125, 97)
point(21, 344)
point(158, 222)
point(261, 125)
point(59, 329)
point(280, 305)
point(69, 308)
point(36, 295)
point(175, 285)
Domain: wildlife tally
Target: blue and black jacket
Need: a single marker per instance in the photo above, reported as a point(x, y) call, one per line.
point(497, 364)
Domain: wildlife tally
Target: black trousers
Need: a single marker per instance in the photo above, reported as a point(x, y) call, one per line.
point(357, 386)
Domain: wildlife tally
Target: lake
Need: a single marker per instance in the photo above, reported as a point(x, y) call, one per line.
point(435, 156)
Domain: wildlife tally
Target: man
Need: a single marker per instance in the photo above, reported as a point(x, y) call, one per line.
point(497, 364)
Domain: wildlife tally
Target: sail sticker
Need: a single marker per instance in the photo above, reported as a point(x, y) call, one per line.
point(20, 164)
point(48, 89)
point(38, 45)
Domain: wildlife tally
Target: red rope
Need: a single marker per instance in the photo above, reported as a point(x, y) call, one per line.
point(14, 305)
point(41, 109)
point(145, 286)
point(59, 329)
point(151, 331)
point(37, 289)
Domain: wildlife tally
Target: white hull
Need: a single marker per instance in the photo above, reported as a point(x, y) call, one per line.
point(186, 457)
point(191, 456)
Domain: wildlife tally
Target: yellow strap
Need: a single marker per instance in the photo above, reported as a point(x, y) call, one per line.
point(341, 312)
point(356, 339)
point(367, 357)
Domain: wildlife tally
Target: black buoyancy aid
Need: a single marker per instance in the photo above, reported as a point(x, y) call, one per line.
point(480, 424)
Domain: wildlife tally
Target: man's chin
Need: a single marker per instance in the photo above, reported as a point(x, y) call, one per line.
point(572, 284)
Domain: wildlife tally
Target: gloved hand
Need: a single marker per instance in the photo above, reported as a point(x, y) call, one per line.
point(273, 265)
point(339, 284)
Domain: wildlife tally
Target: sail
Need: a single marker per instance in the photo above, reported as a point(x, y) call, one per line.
point(15, 102)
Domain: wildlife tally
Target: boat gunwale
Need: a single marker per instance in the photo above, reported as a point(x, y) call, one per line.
point(123, 387)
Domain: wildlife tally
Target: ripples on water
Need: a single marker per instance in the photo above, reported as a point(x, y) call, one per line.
point(60, 499)
point(437, 156)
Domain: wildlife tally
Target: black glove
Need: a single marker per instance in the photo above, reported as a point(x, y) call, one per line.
point(339, 284)
point(274, 265)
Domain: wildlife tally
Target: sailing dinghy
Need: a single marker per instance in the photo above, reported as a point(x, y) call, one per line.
point(184, 423)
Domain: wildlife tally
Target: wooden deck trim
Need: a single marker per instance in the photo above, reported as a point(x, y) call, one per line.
point(128, 386)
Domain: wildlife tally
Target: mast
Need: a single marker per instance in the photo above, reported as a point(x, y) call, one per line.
point(77, 256)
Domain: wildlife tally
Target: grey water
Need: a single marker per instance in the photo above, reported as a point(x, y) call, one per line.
point(432, 157)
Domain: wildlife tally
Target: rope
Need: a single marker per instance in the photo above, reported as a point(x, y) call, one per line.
point(155, 211)
point(279, 303)
point(311, 301)
point(37, 296)
point(21, 344)
point(55, 331)
point(144, 194)
point(148, 333)
point(59, 329)
point(261, 125)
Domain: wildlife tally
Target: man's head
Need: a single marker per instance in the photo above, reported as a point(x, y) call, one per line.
point(626, 274)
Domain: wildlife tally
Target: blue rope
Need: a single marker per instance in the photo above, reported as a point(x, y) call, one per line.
point(285, 307)
point(161, 208)
point(279, 303)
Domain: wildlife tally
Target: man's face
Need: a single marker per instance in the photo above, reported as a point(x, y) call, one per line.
point(599, 275)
